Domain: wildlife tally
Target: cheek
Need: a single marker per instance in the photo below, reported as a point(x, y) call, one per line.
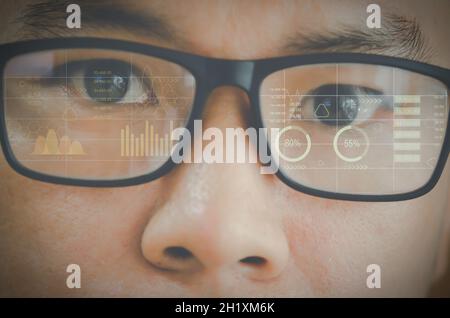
point(310, 251)
point(333, 242)
point(45, 227)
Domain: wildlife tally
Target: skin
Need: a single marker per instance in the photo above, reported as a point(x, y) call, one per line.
point(224, 213)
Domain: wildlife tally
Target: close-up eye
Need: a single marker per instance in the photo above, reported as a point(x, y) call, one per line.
point(110, 81)
point(351, 103)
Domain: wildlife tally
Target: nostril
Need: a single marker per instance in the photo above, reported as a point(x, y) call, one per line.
point(254, 260)
point(178, 252)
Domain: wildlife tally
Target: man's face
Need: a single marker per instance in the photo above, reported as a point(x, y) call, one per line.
point(231, 230)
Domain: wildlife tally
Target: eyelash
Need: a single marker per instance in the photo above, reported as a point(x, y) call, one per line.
point(73, 67)
point(352, 90)
point(67, 70)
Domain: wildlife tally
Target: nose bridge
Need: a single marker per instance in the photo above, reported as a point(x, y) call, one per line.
point(230, 73)
point(212, 228)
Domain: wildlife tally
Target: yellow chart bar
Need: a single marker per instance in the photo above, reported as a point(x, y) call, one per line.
point(402, 122)
point(161, 147)
point(142, 145)
point(166, 144)
point(406, 134)
point(122, 142)
point(146, 137)
point(132, 145)
point(156, 145)
point(407, 99)
point(406, 158)
point(413, 146)
point(136, 147)
point(127, 138)
point(407, 111)
point(151, 140)
point(150, 143)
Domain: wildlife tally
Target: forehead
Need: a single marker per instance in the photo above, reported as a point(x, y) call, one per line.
point(249, 29)
point(254, 29)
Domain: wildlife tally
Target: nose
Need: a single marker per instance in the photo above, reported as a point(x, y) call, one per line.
point(233, 243)
point(218, 217)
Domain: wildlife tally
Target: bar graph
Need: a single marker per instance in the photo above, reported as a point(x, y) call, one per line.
point(406, 129)
point(147, 143)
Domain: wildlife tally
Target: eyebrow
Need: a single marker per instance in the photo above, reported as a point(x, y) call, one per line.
point(48, 19)
point(398, 36)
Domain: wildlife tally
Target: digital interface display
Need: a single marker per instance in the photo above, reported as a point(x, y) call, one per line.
point(228, 152)
point(107, 116)
point(356, 128)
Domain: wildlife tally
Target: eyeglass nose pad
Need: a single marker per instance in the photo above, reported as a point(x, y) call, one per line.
point(230, 73)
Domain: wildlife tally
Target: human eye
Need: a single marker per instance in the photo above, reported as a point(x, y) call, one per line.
point(108, 82)
point(342, 104)
point(95, 113)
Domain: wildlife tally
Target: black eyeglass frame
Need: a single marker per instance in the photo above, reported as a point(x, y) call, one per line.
point(210, 73)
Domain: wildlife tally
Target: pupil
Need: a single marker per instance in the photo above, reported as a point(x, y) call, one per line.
point(335, 111)
point(107, 81)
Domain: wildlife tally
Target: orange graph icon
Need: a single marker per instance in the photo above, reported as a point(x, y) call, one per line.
point(50, 145)
point(148, 143)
